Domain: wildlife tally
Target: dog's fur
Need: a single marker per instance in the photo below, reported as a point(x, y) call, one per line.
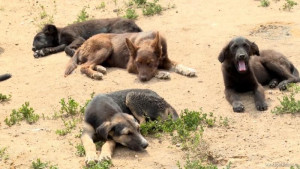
point(53, 39)
point(140, 53)
point(111, 118)
point(238, 75)
point(4, 77)
point(274, 69)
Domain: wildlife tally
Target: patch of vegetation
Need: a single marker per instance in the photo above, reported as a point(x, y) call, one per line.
point(38, 164)
point(197, 164)
point(69, 126)
point(130, 14)
point(152, 8)
point(80, 150)
point(25, 112)
point(101, 6)
point(3, 154)
point(82, 16)
point(105, 164)
point(264, 3)
point(140, 2)
point(289, 4)
point(297, 166)
point(289, 104)
point(44, 18)
point(4, 98)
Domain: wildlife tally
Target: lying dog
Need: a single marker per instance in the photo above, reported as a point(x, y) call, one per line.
point(4, 77)
point(52, 39)
point(140, 53)
point(238, 74)
point(111, 118)
point(274, 69)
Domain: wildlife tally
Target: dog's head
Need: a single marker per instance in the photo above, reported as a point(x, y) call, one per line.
point(123, 129)
point(145, 57)
point(48, 37)
point(238, 52)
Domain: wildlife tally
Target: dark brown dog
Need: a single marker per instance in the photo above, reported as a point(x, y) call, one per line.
point(238, 75)
point(140, 53)
point(274, 69)
point(111, 118)
point(52, 39)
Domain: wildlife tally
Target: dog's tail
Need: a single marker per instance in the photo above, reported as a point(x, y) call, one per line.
point(294, 70)
point(72, 65)
point(4, 77)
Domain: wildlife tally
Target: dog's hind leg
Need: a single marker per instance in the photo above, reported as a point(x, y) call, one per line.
point(88, 144)
point(100, 69)
point(107, 150)
point(70, 49)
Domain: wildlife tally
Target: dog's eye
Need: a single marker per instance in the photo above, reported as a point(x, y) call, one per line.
point(246, 46)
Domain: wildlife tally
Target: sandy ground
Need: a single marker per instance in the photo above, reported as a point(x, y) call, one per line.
point(196, 32)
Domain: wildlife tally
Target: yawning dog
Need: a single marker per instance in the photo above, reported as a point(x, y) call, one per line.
point(140, 53)
point(112, 118)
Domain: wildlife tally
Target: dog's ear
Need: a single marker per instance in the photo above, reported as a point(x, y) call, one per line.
point(103, 130)
point(254, 49)
point(132, 48)
point(156, 45)
point(224, 53)
point(50, 29)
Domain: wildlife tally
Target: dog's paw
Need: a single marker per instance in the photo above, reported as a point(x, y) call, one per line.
point(261, 106)
point(91, 157)
point(97, 76)
point(40, 53)
point(186, 71)
point(104, 157)
point(283, 85)
point(273, 84)
point(163, 75)
point(100, 69)
point(238, 107)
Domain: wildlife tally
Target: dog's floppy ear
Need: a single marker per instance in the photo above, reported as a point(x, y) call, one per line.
point(132, 48)
point(156, 45)
point(254, 49)
point(50, 29)
point(103, 130)
point(224, 53)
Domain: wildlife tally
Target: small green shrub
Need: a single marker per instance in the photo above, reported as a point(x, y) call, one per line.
point(82, 16)
point(4, 98)
point(25, 112)
point(297, 166)
point(80, 150)
point(69, 126)
point(3, 154)
point(140, 2)
point(130, 14)
point(289, 4)
point(101, 6)
point(106, 164)
point(152, 8)
point(42, 165)
point(264, 3)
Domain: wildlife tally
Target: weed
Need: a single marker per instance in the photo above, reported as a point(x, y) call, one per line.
point(44, 18)
point(82, 16)
point(140, 2)
point(152, 8)
point(130, 14)
point(224, 121)
point(297, 166)
point(69, 126)
point(106, 164)
point(195, 164)
point(3, 154)
point(289, 4)
point(43, 14)
point(25, 112)
point(41, 165)
point(69, 108)
point(289, 104)
point(4, 98)
point(80, 150)
point(264, 3)
point(101, 6)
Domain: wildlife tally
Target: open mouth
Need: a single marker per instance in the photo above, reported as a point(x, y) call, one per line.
point(242, 67)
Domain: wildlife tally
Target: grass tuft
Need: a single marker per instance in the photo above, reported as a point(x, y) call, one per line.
point(25, 112)
point(4, 98)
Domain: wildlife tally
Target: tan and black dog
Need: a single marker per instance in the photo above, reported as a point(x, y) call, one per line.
point(141, 53)
point(112, 118)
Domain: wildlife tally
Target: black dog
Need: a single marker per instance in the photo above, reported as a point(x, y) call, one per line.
point(111, 118)
point(4, 77)
point(274, 69)
point(238, 75)
point(52, 39)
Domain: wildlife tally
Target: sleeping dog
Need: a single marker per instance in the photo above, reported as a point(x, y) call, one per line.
point(113, 118)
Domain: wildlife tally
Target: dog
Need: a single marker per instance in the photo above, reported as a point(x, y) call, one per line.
point(5, 77)
point(238, 74)
point(140, 53)
point(274, 69)
point(113, 118)
point(53, 39)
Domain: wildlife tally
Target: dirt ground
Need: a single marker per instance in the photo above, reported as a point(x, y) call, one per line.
point(196, 32)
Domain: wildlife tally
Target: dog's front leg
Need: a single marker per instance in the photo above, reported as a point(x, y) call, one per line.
point(88, 144)
point(183, 70)
point(48, 51)
point(234, 99)
point(107, 150)
point(259, 98)
point(162, 75)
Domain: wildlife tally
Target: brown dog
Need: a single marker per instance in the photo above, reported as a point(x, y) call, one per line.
point(140, 53)
point(274, 69)
point(238, 75)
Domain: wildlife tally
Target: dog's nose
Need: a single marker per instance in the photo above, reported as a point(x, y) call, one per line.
point(242, 56)
point(145, 145)
point(33, 49)
point(143, 78)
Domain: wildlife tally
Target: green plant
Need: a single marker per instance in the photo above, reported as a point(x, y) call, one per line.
point(43, 14)
point(152, 8)
point(41, 165)
point(195, 164)
point(3, 154)
point(297, 166)
point(101, 6)
point(289, 4)
point(25, 112)
point(289, 104)
point(82, 16)
point(264, 3)
point(4, 98)
point(130, 14)
point(105, 164)
point(140, 2)
point(80, 150)
point(69, 126)
point(69, 108)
